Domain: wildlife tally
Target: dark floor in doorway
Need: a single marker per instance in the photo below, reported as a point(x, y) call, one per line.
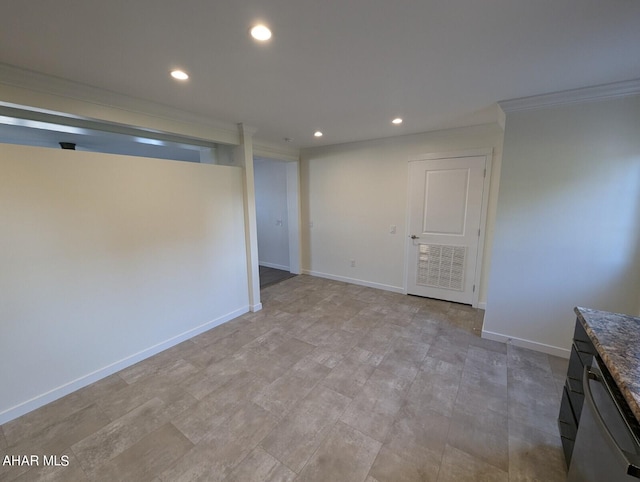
point(271, 276)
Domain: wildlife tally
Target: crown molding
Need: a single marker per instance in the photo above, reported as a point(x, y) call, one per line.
point(573, 96)
point(17, 78)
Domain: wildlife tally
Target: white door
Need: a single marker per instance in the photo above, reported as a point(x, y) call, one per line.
point(445, 205)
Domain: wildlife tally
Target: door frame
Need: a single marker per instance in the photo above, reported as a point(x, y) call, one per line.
point(488, 156)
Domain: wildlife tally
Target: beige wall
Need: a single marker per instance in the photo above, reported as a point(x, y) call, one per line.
point(106, 260)
point(353, 193)
point(568, 221)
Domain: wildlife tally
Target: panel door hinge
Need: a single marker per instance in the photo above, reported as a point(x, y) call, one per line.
point(478, 233)
point(474, 288)
point(485, 173)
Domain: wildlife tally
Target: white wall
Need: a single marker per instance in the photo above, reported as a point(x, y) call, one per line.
point(107, 260)
point(271, 213)
point(353, 193)
point(568, 221)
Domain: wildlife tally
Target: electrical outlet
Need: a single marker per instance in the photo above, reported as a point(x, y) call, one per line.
point(353, 263)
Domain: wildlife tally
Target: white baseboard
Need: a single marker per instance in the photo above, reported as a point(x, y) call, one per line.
point(273, 265)
point(482, 305)
point(531, 345)
point(59, 392)
point(256, 307)
point(369, 284)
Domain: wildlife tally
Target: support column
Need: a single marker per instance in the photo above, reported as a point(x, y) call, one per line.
point(245, 154)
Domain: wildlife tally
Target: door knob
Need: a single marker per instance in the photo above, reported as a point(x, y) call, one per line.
point(413, 236)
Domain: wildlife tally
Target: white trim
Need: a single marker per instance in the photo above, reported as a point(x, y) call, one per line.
point(354, 281)
point(584, 94)
point(293, 215)
point(58, 392)
point(486, 188)
point(531, 345)
point(432, 156)
point(482, 305)
point(273, 265)
point(256, 307)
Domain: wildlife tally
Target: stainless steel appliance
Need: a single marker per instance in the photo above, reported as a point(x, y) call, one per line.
point(607, 447)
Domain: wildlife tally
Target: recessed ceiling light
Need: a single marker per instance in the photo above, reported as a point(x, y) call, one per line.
point(397, 121)
point(317, 134)
point(179, 74)
point(261, 32)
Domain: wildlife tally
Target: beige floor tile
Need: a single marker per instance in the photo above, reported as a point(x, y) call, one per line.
point(217, 407)
point(147, 457)
point(69, 473)
point(374, 408)
point(535, 455)
point(335, 370)
point(213, 377)
point(310, 369)
point(116, 437)
point(523, 359)
point(98, 390)
point(121, 402)
point(345, 455)
point(350, 375)
point(283, 393)
point(435, 387)
point(363, 321)
point(326, 356)
point(533, 400)
point(275, 363)
point(298, 436)
point(63, 434)
point(459, 466)
point(484, 435)
point(416, 430)
point(390, 466)
point(484, 382)
point(22, 428)
point(378, 339)
point(448, 348)
point(399, 367)
point(219, 453)
point(203, 418)
point(489, 344)
point(259, 466)
point(270, 340)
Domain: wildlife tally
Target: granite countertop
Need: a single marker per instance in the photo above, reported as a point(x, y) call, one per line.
point(617, 340)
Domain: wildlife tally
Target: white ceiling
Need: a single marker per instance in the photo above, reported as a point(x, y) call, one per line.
point(346, 67)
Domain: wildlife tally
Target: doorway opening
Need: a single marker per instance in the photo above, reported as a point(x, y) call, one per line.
point(276, 190)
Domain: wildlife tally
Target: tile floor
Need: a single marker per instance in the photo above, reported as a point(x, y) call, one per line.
point(329, 382)
point(270, 276)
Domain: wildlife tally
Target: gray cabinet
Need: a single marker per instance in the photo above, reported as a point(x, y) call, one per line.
point(582, 353)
